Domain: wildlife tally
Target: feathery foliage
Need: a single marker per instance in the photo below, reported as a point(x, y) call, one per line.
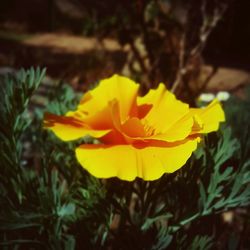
point(47, 201)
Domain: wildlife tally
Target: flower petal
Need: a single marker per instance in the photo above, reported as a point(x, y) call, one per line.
point(166, 115)
point(179, 131)
point(160, 157)
point(133, 128)
point(116, 87)
point(105, 161)
point(69, 128)
point(148, 161)
point(127, 131)
point(209, 117)
point(166, 112)
point(153, 96)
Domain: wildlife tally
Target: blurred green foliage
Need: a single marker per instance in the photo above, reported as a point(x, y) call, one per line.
point(48, 201)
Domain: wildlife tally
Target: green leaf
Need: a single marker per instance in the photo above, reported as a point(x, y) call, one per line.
point(150, 221)
point(66, 210)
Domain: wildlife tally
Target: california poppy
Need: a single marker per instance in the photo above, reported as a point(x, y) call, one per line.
point(139, 136)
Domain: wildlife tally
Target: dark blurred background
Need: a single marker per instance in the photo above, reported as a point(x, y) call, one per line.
point(192, 46)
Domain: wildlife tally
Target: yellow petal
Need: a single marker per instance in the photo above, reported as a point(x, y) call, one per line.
point(105, 161)
point(153, 96)
point(135, 129)
point(116, 87)
point(160, 157)
point(69, 128)
point(147, 161)
point(166, 115)
point(178, 131)
point(209, 117)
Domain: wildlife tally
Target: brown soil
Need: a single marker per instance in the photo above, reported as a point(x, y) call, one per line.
point(81, 60)
point(74, 59)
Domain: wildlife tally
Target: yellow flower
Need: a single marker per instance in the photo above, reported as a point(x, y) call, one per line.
point(140, 136)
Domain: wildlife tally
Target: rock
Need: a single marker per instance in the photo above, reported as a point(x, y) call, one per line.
point(71, 44)
point(227, 79)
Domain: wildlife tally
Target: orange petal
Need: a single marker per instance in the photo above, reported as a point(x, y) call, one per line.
point(133, 128)
point(69, 128)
